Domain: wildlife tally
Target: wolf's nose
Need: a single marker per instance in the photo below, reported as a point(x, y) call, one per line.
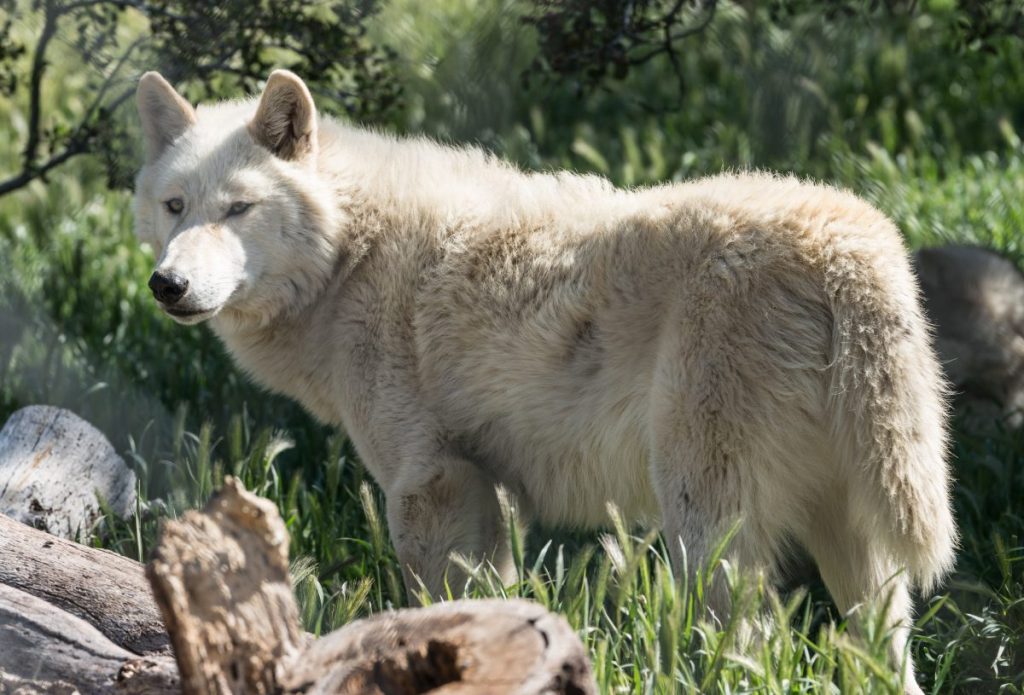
point(167, 287)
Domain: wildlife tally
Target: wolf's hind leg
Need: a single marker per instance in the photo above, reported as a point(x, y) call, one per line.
point(858, 574)
point(698, 487)
point(442, 506)
point(692, 528)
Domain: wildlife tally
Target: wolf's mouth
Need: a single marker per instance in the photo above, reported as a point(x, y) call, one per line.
point(188, 316)
point(185, 313)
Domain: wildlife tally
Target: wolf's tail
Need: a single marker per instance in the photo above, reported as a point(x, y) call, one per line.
point(888, 407)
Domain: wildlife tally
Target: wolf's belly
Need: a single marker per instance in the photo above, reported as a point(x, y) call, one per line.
point(566, 458)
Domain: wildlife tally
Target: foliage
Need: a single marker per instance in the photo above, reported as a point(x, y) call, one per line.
point(927, 133)
point(606, 39)
point(789, 93)
point(214, 48)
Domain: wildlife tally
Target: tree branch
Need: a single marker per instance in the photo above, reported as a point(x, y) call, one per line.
point(28, 175)
point(712, 7)
point(139, 5)
point(109, 80)
point(196, 42)
point(666, 45)
point(77, 144)
point(35, 85)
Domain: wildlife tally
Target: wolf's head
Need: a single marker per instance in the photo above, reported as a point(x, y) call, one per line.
point(231, 200)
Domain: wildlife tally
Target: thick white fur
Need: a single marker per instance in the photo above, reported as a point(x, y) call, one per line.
point(743, 346)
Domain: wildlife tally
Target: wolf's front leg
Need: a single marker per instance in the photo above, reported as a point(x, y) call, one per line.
point(440, 506)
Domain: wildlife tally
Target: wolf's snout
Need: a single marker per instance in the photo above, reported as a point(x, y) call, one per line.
point(168, 287)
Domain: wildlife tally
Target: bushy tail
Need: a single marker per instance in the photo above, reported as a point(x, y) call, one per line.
point(888, 410)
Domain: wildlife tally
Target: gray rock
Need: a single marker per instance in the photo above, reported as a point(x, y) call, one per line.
point(975, 299)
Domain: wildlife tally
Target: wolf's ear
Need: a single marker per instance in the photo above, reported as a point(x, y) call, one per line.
point(285, 121)
point(164, 113)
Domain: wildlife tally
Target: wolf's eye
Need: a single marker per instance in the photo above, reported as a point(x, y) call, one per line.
point(174, 206)
point(237, 208)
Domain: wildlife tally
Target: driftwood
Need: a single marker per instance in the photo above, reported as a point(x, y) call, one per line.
point(45, 650)
point(52, 466)
point(77, 619)
point(108, 591)
point(220, 578)
point(464, 647)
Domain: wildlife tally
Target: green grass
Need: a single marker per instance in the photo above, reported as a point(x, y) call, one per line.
point(928, 137)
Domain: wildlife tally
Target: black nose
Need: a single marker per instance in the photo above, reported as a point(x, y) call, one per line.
point(167, 287)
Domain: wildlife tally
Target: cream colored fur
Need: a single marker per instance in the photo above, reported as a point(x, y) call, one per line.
point(743, 346)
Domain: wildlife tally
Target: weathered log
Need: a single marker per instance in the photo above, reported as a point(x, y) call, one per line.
point(220, 578)
point(464, 647)
point(76, 619)
point(107, 590)
point(52, 466)
point(44, 650)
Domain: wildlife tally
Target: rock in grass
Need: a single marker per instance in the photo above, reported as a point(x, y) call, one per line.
point(975, 299)
point(53, 465)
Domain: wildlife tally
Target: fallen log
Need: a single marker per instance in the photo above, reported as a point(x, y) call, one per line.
point(220, 579)
point(44, 649)
point(53, 464)
point(77, 619)
point(464, 647)
point(108, 591)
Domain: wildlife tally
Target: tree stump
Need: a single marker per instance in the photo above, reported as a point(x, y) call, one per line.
point(221, 580)
point(53, 464)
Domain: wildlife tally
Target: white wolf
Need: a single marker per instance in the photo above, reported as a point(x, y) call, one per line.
point(739, 346)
